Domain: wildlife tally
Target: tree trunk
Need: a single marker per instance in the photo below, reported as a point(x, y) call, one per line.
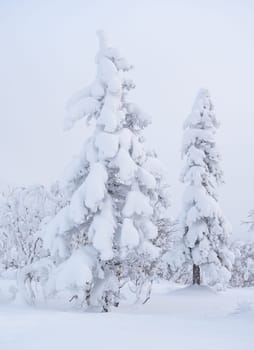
point(196, 274)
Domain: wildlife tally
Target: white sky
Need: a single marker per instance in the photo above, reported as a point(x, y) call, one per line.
point(47, 51)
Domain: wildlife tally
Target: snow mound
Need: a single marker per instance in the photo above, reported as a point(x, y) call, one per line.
point(193, 291)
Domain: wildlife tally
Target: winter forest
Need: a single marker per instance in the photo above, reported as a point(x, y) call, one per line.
point(112, 246)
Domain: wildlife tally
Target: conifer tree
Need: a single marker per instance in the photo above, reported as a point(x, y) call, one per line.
point(106, 234)
point(205, 229)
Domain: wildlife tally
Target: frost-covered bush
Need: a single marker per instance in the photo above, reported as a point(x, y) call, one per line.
point(23, 210)
point(205, 231)
point(107, 233)
point(243, 267)
point(168, 239)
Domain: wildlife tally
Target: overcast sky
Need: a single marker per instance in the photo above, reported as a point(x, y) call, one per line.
point(47, 51)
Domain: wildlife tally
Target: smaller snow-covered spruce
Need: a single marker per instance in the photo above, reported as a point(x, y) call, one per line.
point(205, 229)
point(107, 234)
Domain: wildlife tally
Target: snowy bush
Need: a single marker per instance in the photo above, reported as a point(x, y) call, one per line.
point(243, 267)
point(23, 211)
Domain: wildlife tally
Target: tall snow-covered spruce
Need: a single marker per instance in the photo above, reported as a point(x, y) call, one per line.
point(107, 233)
point(205, 229)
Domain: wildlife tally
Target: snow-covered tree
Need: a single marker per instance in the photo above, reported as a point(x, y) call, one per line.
point(205, 229)
point(106, 234)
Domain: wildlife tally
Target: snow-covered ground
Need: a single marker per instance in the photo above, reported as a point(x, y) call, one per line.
point(174, 319)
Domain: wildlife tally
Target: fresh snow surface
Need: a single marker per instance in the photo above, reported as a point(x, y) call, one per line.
point(174, 318)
